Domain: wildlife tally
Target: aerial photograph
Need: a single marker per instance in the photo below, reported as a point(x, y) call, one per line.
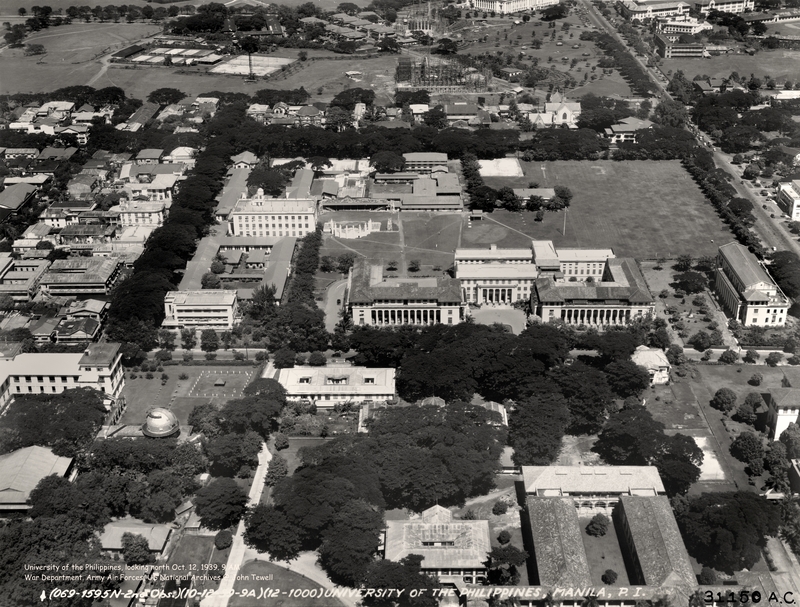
point(400, 303)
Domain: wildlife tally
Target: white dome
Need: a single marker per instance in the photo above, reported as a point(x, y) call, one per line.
point(160, 422)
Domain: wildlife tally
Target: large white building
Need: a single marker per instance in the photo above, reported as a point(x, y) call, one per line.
point(724, 6)
point(336, 384)
point(375, 300)
point(746, 291)
point(263, 216)
point(506, 7)
point(207, 309)
point(496, 275)
point(141, 213)
point(638, 10)
point(99, 367)
point(789, 199)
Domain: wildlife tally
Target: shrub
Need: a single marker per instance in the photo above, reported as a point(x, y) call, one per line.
point(188, 357)
point(211, 356)
point(724, 400)
point(261, 356)
point(751, 356)
point(609, 577)
point(499, 508)
point(728, 357)
point(707, 577)
point(469, 515)
point(504, 537)
point(133, 376)
point(281, 441)
point(164, 377)
point(317, 359)
point(756, 379)
point(183, 376)
point(223, 539)
point(793, 360)
point(598, 526)
point(149, 376)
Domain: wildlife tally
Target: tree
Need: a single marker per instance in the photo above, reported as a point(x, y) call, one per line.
point(588, 396)
point(435, 117)
point(277, 470)
point(773, 359)
point(536, 427)
point(447, 47)
point(503, 563)
point(626, 378)
point(791, 438)
point(504, 537)
point(414, 265)
point(317, 359)
point(747, 448)
point(166, 96)
point(249, 45)
point(690, 282)
point(727, 531)
point(728, 357)
point(220, 504)
point(684, 263)
point(272, 181)
point(499, 508)
point(135, 549)
point(209, 340)
point(284, 358)
point(350, 543)
point(708, 577)
point(406, 576)
point(229, 453)
point(609, 577)
point(268, 529)
point(389, 45)
point(746, 413)
point(598, 526)
point(670, 113)
point(256, 413)
point(188, 339)
point(387, 162)
point(564, 194)
point(724, 400)
point(210, 281)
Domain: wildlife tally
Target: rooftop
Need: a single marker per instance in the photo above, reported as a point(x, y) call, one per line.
point(621, 280)
point(425, 157)
point(150, 154)
point(156, 535)
point(21, 471)
point(650, 358)
point(14, 196)
point(564, 480)
point(659, 547)
point(100, 354)
point(81, 270)
point(197, 298)
point(744, 264)
point(337, 379)
point(557, 542)
point(368, 285)
point(259, 204)
point(468, 540)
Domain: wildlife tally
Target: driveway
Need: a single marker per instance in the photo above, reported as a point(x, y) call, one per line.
point(334, 293)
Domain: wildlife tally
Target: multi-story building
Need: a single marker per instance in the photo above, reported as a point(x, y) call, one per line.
point(99, 367)
point(207, 309)
point(619, 296)
point(684, 25)
point(262, 216)
point(638, 10)
point(747, 292)
point(141, 213)
point(375, 300)
point(19, 278)
point(673, 48)
point(453, 550)
point(789, 199)
point(337, 384)
point(423, 162)
point(81, 276)
point(625, 130)
point(506, 7)
point(724, 6)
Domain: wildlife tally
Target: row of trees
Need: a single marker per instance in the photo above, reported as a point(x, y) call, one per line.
point(619, 58)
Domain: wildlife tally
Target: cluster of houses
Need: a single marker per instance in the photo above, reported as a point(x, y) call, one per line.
point(59, 118)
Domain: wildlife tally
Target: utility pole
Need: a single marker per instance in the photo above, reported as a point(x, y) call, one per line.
point(564, 231)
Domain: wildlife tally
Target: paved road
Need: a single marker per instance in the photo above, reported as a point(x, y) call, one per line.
point(330, 306)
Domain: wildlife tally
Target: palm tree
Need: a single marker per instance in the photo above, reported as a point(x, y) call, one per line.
point(249, 45)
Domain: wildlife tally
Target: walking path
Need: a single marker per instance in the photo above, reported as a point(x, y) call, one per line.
point(236, 557)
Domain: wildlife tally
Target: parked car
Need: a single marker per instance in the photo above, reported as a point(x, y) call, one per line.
point(764, 193)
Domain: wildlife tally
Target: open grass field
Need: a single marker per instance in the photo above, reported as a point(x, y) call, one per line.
point(432, 238)
point(641, 209)
point(781, 64)
point(235, 381)
point(199, 550)
point(283, 581)
point(84, 41)
point(603, 553)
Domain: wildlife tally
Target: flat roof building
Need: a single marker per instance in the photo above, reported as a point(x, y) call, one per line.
point(263, 216)
point(209, 309)
point(80, 276)
point(20, 278)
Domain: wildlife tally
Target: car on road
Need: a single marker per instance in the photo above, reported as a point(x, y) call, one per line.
point(764, 193)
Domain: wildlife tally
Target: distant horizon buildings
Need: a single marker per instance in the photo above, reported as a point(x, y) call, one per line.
point(506, 7)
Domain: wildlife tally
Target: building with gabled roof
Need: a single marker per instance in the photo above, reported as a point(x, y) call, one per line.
point(16, 196)
point(553, 531)
point(112, 534)
point(21, 471)
point(653, 542)
point(656, 363)
point(375, 300)
point(245, 160)
point(454, 550)
point(336, 384)
point(81, 276)
point(748, 293)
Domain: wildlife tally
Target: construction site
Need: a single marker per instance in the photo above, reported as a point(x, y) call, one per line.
point(439, 75)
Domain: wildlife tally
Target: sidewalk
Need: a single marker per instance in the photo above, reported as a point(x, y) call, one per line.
point(236, 557)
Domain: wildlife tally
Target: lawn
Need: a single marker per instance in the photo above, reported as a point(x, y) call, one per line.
point(235, 381)
point(781, 64)
point(603, 553)
point(197, 550)
point(292, 452)
point(643, 209)
point(281, 580)
point(432, 237)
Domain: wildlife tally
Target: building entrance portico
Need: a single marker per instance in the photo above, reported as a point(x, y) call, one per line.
point(496, 295)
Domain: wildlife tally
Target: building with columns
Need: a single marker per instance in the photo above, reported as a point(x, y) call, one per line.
point(506, 7)
point(617, 297)
point(748, 293)
point(496, 275)
point(373, 299)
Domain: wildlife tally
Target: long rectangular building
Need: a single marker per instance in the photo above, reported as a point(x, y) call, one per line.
point(337, 384)
point(747, 292)
point(208, 309)
point(506, 7)
point(262, 216)
point(375, 300)
point(80, 276)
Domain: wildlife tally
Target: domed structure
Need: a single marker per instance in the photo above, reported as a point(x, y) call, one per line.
point(160, 423)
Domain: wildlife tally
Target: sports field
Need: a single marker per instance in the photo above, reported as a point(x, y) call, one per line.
point(780, 64)
point(221, 383)
point(262, 65)
point(643, 209)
